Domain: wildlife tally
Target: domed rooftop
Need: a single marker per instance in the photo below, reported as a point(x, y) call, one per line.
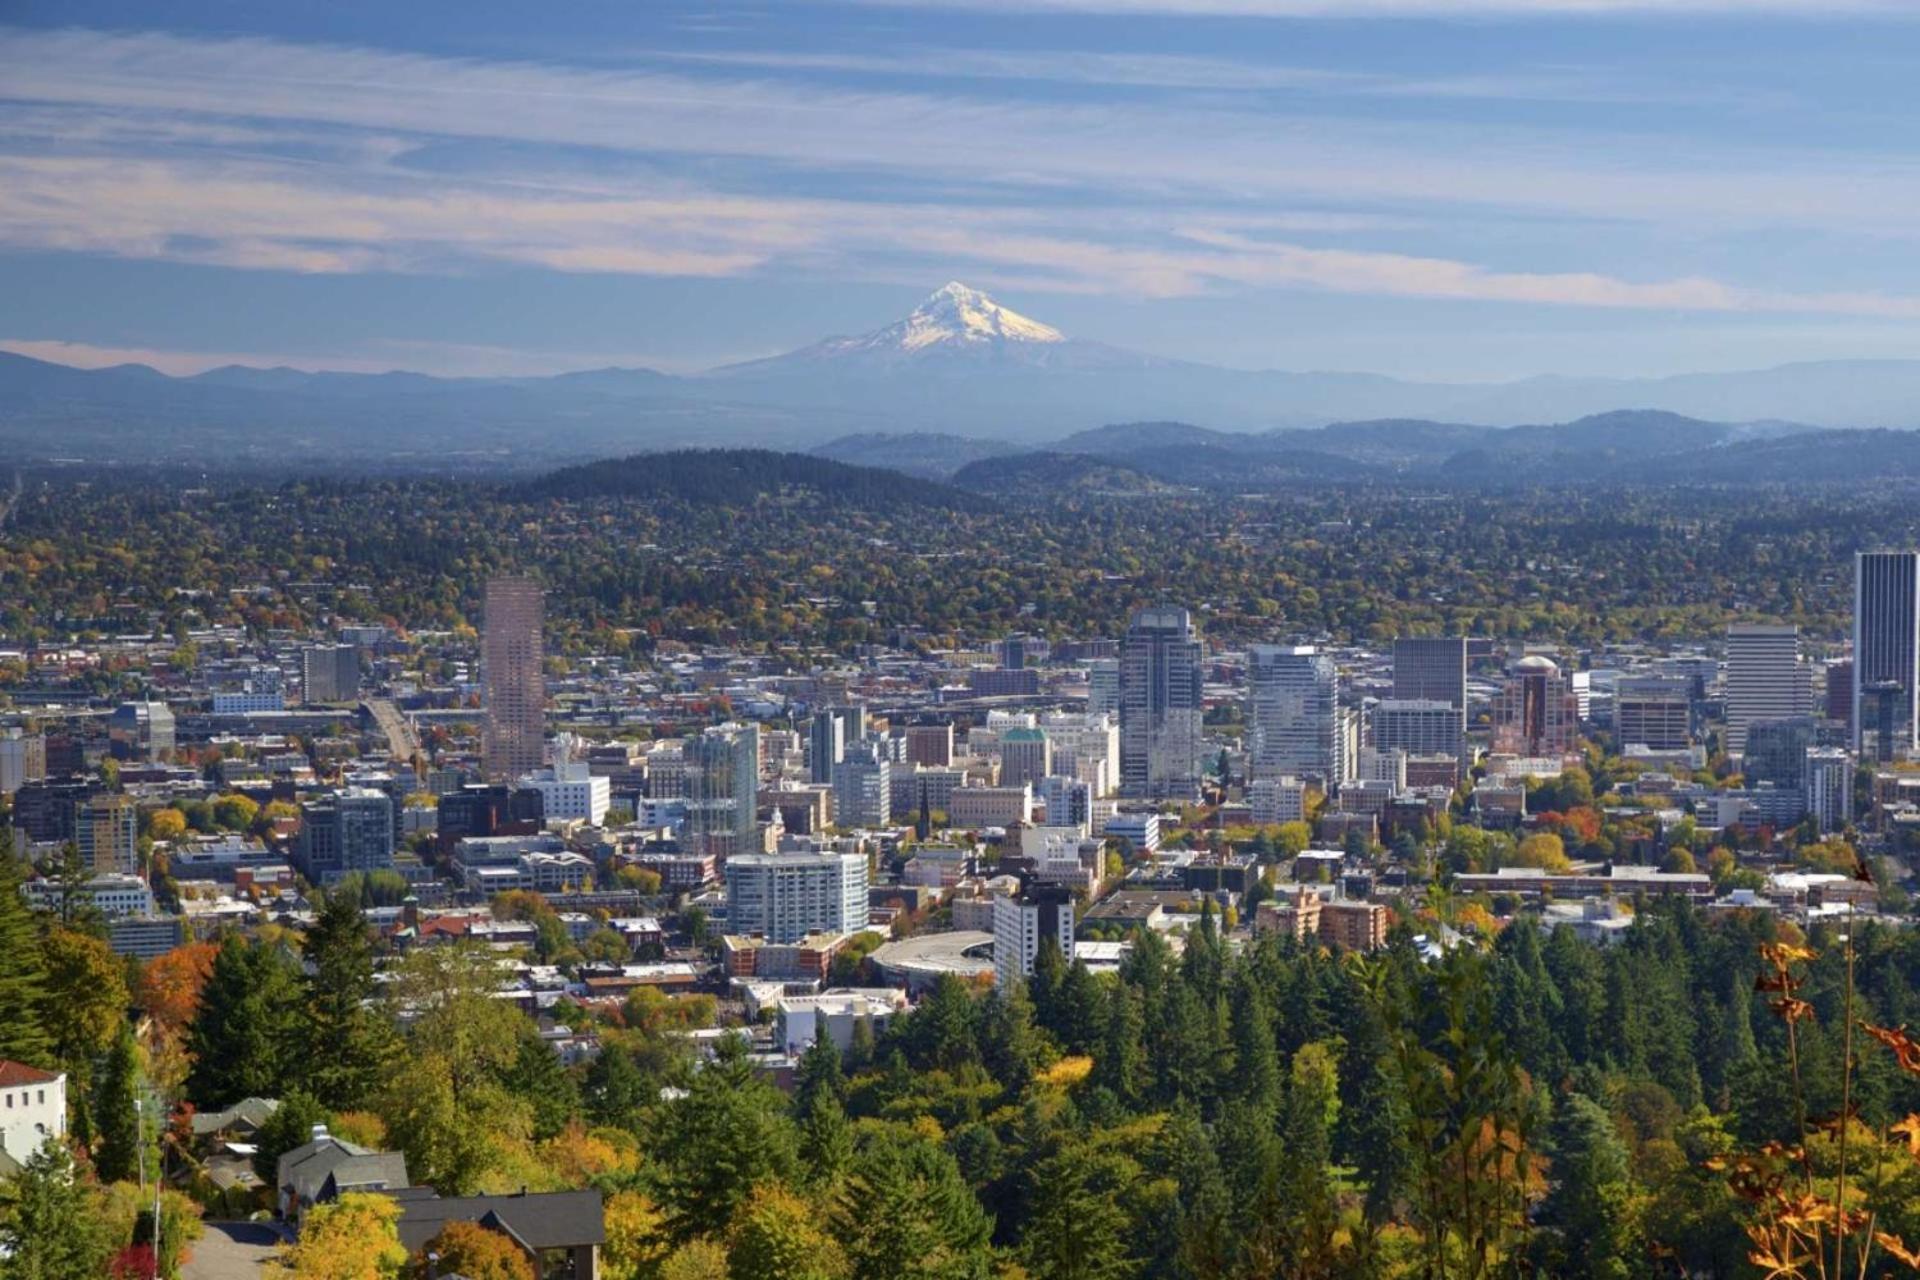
point(1535, 665)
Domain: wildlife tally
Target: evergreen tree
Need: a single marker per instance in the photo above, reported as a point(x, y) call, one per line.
point(1576, 973)
point(1010, 1044)
point(118, 1151)
point(51, 1227)
point(615, 1090)
point(1076, 1228)
point(1180, 1051)
point(726, 1136)
point(538, 1078)
point(1527, 1005)
point(349, 1045)
point(818, 1073)
point(1373, 1133)
point(1255, 1169)
point(941, 1031)
point(859, 1053)
point(910, 1216)
point(1735, 1047)
point(1200, 1243)
point(1306, 1125)
point(1082, 1013)
point(23, 1024)
point(1204, 963)
point(826, 1140)
point(1257, 1060)
point(1043, 988)
point(1121, 1063)
point(244, 1036)
point(1592, 1200)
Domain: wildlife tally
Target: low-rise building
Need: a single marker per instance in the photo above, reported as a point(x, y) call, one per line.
point(33, 1110)
point(111, 895)
point(571, 792)
point(563, 872)
point(1141, 831)
point(990, 806)
point(800, 1020)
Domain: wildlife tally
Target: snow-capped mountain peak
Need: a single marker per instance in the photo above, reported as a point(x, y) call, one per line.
point(956, 313)
point(954, 318)
point(956, 328)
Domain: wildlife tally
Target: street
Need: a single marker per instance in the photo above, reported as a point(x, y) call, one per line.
point(232, 1251)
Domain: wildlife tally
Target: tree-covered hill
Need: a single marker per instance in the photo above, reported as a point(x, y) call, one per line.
point(737, 477)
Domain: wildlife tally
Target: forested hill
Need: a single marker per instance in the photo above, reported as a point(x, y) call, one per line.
point(738, 477)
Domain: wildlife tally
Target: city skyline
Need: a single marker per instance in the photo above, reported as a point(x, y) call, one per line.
point(951, 639)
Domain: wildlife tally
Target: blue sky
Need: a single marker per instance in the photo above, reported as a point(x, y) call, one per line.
point(1465, 189)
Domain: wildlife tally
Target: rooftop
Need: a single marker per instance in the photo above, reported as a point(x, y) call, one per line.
point(13, 1074)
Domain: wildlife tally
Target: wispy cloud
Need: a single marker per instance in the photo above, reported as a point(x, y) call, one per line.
point(255, 215)
point(267, 154)
point(235, 217)
point(87, 355)
point(442, 359)
point(1122, 150)
point(1209, 75)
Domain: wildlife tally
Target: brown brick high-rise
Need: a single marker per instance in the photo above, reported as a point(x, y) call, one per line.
point(516, 692)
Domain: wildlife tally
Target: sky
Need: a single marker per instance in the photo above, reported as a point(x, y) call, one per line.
point(1451, 189)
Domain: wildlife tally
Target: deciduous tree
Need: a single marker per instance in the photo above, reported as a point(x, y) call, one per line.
point(475, 1252)
point(354, 1238)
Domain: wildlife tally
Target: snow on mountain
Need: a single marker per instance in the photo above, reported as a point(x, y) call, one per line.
point(953, 316)
point(957, 314)
point(954, 323)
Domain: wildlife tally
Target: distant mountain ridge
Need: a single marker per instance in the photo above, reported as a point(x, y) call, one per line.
point(1184, 454)
point(960, 365)
point(1616, 447)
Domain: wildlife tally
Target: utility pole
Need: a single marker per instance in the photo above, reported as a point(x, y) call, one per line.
point(159, 1185)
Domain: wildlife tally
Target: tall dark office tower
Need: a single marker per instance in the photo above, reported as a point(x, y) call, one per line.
point(1886, 652)
point(826, 744)
point(831, 732)
point(513, 740)
point(1160, 706)
point(1433, 668)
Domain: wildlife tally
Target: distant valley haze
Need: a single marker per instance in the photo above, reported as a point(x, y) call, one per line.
point(959, 366)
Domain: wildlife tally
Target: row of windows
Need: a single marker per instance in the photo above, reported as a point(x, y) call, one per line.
point(24, 1100)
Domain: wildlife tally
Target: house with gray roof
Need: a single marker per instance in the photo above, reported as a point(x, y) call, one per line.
point(326, 1168)
point(560, 1231)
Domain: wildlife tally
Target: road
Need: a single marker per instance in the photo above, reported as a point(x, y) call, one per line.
point(231, 1251)
point(401, 743)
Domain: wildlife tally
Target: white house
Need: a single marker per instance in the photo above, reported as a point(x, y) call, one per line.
point(33, 1108)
